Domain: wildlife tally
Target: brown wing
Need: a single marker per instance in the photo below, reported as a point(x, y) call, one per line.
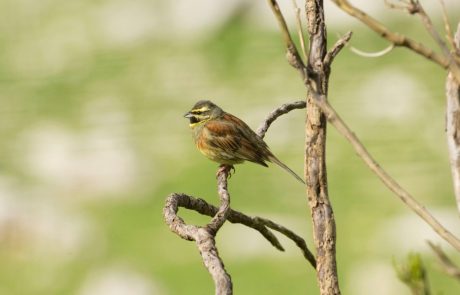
point(235, 138)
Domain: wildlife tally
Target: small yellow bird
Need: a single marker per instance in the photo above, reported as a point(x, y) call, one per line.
point(226, 139)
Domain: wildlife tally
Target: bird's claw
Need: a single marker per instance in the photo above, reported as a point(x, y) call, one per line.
point(227, 169)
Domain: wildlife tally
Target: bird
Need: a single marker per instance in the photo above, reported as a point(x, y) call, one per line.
point(228, 140)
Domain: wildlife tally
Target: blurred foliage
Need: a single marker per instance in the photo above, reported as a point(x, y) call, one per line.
point(412, 272)
point(94, 141)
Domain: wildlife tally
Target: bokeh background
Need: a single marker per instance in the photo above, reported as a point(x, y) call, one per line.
point(93, 140)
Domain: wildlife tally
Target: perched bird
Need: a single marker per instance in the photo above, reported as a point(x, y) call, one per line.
point(226, 139)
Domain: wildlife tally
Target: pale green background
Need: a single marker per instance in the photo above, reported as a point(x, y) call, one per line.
point(92, 96)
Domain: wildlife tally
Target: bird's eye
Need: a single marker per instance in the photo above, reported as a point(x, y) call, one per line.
point(196, 112)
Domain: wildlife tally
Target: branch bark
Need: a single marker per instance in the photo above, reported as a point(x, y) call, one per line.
point(453, 126)
point(324, 229)
point(315, 76)
point(205, 236)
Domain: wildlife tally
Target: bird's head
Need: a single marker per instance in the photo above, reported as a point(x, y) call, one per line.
point(202, 111)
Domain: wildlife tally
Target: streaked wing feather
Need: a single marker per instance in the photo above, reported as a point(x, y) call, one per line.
point(232, 134)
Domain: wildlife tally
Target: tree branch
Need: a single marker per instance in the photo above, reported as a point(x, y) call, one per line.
point(315, 76)
point(453, 125)
point(260, 224)
point(292, 54)
point(338, 46)
point(395, 38)
point(389, 182)
point(284, 109)
point(205, 236)
point(447, 265)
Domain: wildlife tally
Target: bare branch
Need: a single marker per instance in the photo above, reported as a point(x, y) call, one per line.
point(395, 38)
point(447, 265)
point(447, 28)
point(219, 218)
point(300, 242)
point(292, 53)
point(315, 76)
point(205, 236)
point(260, 224)
point(332, 53)
point(315, 169)
point(299, 29)
point(402, 5)
point(403, 195)
point(453, 126)
point(372, 54)
point(284, 109)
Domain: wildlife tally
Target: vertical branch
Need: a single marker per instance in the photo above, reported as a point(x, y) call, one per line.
point(324, 231)
point(453, 125)
point(315, 76)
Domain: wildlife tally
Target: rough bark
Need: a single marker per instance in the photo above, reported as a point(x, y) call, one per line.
point(324, 231)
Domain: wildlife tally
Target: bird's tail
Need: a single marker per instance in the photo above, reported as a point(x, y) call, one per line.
point(275, 160)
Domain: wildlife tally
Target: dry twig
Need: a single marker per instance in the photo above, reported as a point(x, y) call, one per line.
point(315, 75)
point(300, 29)
point(446, 264)
point(389, 182)
point(372, 54)
point(205, 236)
point(395, 38)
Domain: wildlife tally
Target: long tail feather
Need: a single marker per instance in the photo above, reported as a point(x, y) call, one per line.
point(275, 160)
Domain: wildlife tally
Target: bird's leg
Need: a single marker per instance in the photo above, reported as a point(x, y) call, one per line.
point(227, 169)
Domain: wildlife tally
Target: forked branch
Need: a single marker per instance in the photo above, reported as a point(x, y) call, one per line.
point(204, 236)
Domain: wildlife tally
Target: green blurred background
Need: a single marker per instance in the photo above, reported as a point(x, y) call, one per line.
point(93, 140)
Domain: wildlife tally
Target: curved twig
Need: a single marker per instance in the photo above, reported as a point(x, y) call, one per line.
point(204, 236)
point(260, 224)
point(338, 46)
point(372, 54)
point(447, 265)
point(283, 109)
point(395, 38)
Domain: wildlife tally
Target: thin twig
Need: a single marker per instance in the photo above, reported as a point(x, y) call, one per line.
point(395, 38)
point(300, 29)
point(394, 186)
point(174, 201)
point(447, 28)
point(332, 53)
point(273, 115)
point(372, 54)
point(292, 53)
point(446, 264)
point(300, 242)
point(406, 5)
point(428, 24)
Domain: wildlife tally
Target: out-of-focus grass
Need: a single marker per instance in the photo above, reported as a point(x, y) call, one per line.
point(139, 93)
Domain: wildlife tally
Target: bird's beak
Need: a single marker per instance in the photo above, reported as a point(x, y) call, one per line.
point(188, 115)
